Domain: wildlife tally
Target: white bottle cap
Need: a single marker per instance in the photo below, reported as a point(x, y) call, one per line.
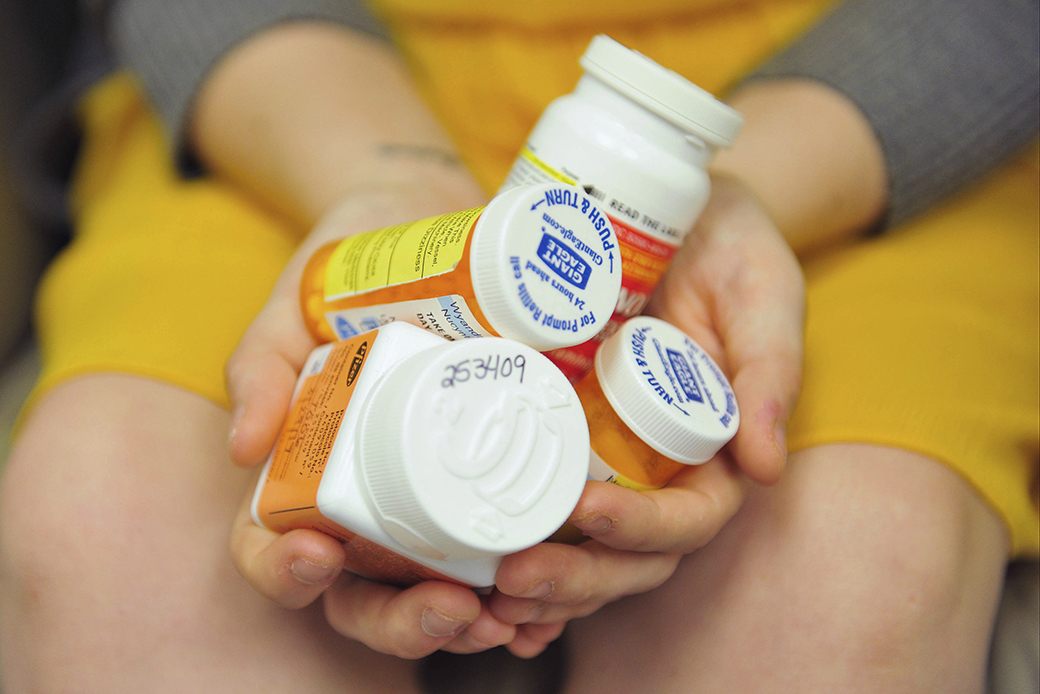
point(472, 449)
point(546, 269)
point(667, 389)
point(664, 92)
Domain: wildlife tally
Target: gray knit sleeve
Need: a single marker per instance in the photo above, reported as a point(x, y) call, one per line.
point(172, 44)
point(951, 87)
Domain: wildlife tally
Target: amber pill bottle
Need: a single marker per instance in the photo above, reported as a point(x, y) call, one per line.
point(537, 265)
point(655, 402)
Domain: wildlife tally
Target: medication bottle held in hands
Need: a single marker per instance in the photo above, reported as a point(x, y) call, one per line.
point(538, 265)
point(428, 459)
point(638, 138)
point(655, 402)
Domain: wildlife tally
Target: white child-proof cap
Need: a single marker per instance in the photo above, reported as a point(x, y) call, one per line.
point(662, 91)
point(545, 265)
point(473, 449)
point(667, 389)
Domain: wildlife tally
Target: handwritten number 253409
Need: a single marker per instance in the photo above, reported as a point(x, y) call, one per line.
point(494, 367)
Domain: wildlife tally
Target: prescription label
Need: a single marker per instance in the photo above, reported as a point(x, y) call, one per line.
point(645, 244)
point(398, 254)
point(288, 498)
point(448, 316)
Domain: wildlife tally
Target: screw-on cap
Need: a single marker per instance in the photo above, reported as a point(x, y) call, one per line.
point(664, 92)
point(545, 265)
point(472, 449)
point(667, 389)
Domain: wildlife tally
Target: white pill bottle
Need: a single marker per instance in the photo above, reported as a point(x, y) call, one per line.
point(638, 137)
point(428, 459)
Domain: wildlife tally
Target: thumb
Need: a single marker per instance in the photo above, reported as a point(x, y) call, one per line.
point(261, 375)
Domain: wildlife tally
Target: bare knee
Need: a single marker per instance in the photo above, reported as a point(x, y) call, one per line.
point(95, 532)
point(864, 570)
point(892, 563)
point(101, 463)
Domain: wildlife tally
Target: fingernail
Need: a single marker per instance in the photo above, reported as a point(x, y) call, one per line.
point(533, 612)
point(438, 625)
point(311, 574)
point(540, 591)
point(596, 526)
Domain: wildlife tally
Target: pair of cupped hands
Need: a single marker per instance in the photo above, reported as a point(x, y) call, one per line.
point(735, 287)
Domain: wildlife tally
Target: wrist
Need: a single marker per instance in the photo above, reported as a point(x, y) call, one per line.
point(810, 157)
point(404, 181)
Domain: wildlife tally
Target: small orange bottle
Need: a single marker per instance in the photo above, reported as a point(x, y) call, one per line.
point(537, 265)
point(655, 402)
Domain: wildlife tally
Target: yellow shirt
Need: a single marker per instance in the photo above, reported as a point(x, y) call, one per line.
point(924, 339)
point(490, 68)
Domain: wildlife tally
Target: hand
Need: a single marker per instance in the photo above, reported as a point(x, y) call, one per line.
point(297, 568)
point(262, 371)
point(737, 289)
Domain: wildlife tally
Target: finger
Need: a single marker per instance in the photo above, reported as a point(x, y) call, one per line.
point(767, 390)
point(766, 359)
point(262, 371)
point(680, 518)
point(552, 582)
point(763, 354)
point(762, 324)
point(291, 569)
point(736, 277)
point(408, 623)
point(261, 375)
point(485, 632)
point(465, 643)
point(532, 639)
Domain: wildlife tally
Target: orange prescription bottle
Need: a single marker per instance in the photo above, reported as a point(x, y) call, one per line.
point(428, 459)
point(655, 401)
point(538, 265)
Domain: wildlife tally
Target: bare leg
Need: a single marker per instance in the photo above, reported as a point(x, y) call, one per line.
point(116, 507)
point(866, 569)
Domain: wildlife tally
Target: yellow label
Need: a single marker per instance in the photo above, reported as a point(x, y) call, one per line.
point(529, 156)
point(398, 254)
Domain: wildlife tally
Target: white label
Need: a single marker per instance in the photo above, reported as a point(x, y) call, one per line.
point(662, 224)
point(447, 316)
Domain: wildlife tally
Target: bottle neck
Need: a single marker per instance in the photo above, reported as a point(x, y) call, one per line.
point(645, 122)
